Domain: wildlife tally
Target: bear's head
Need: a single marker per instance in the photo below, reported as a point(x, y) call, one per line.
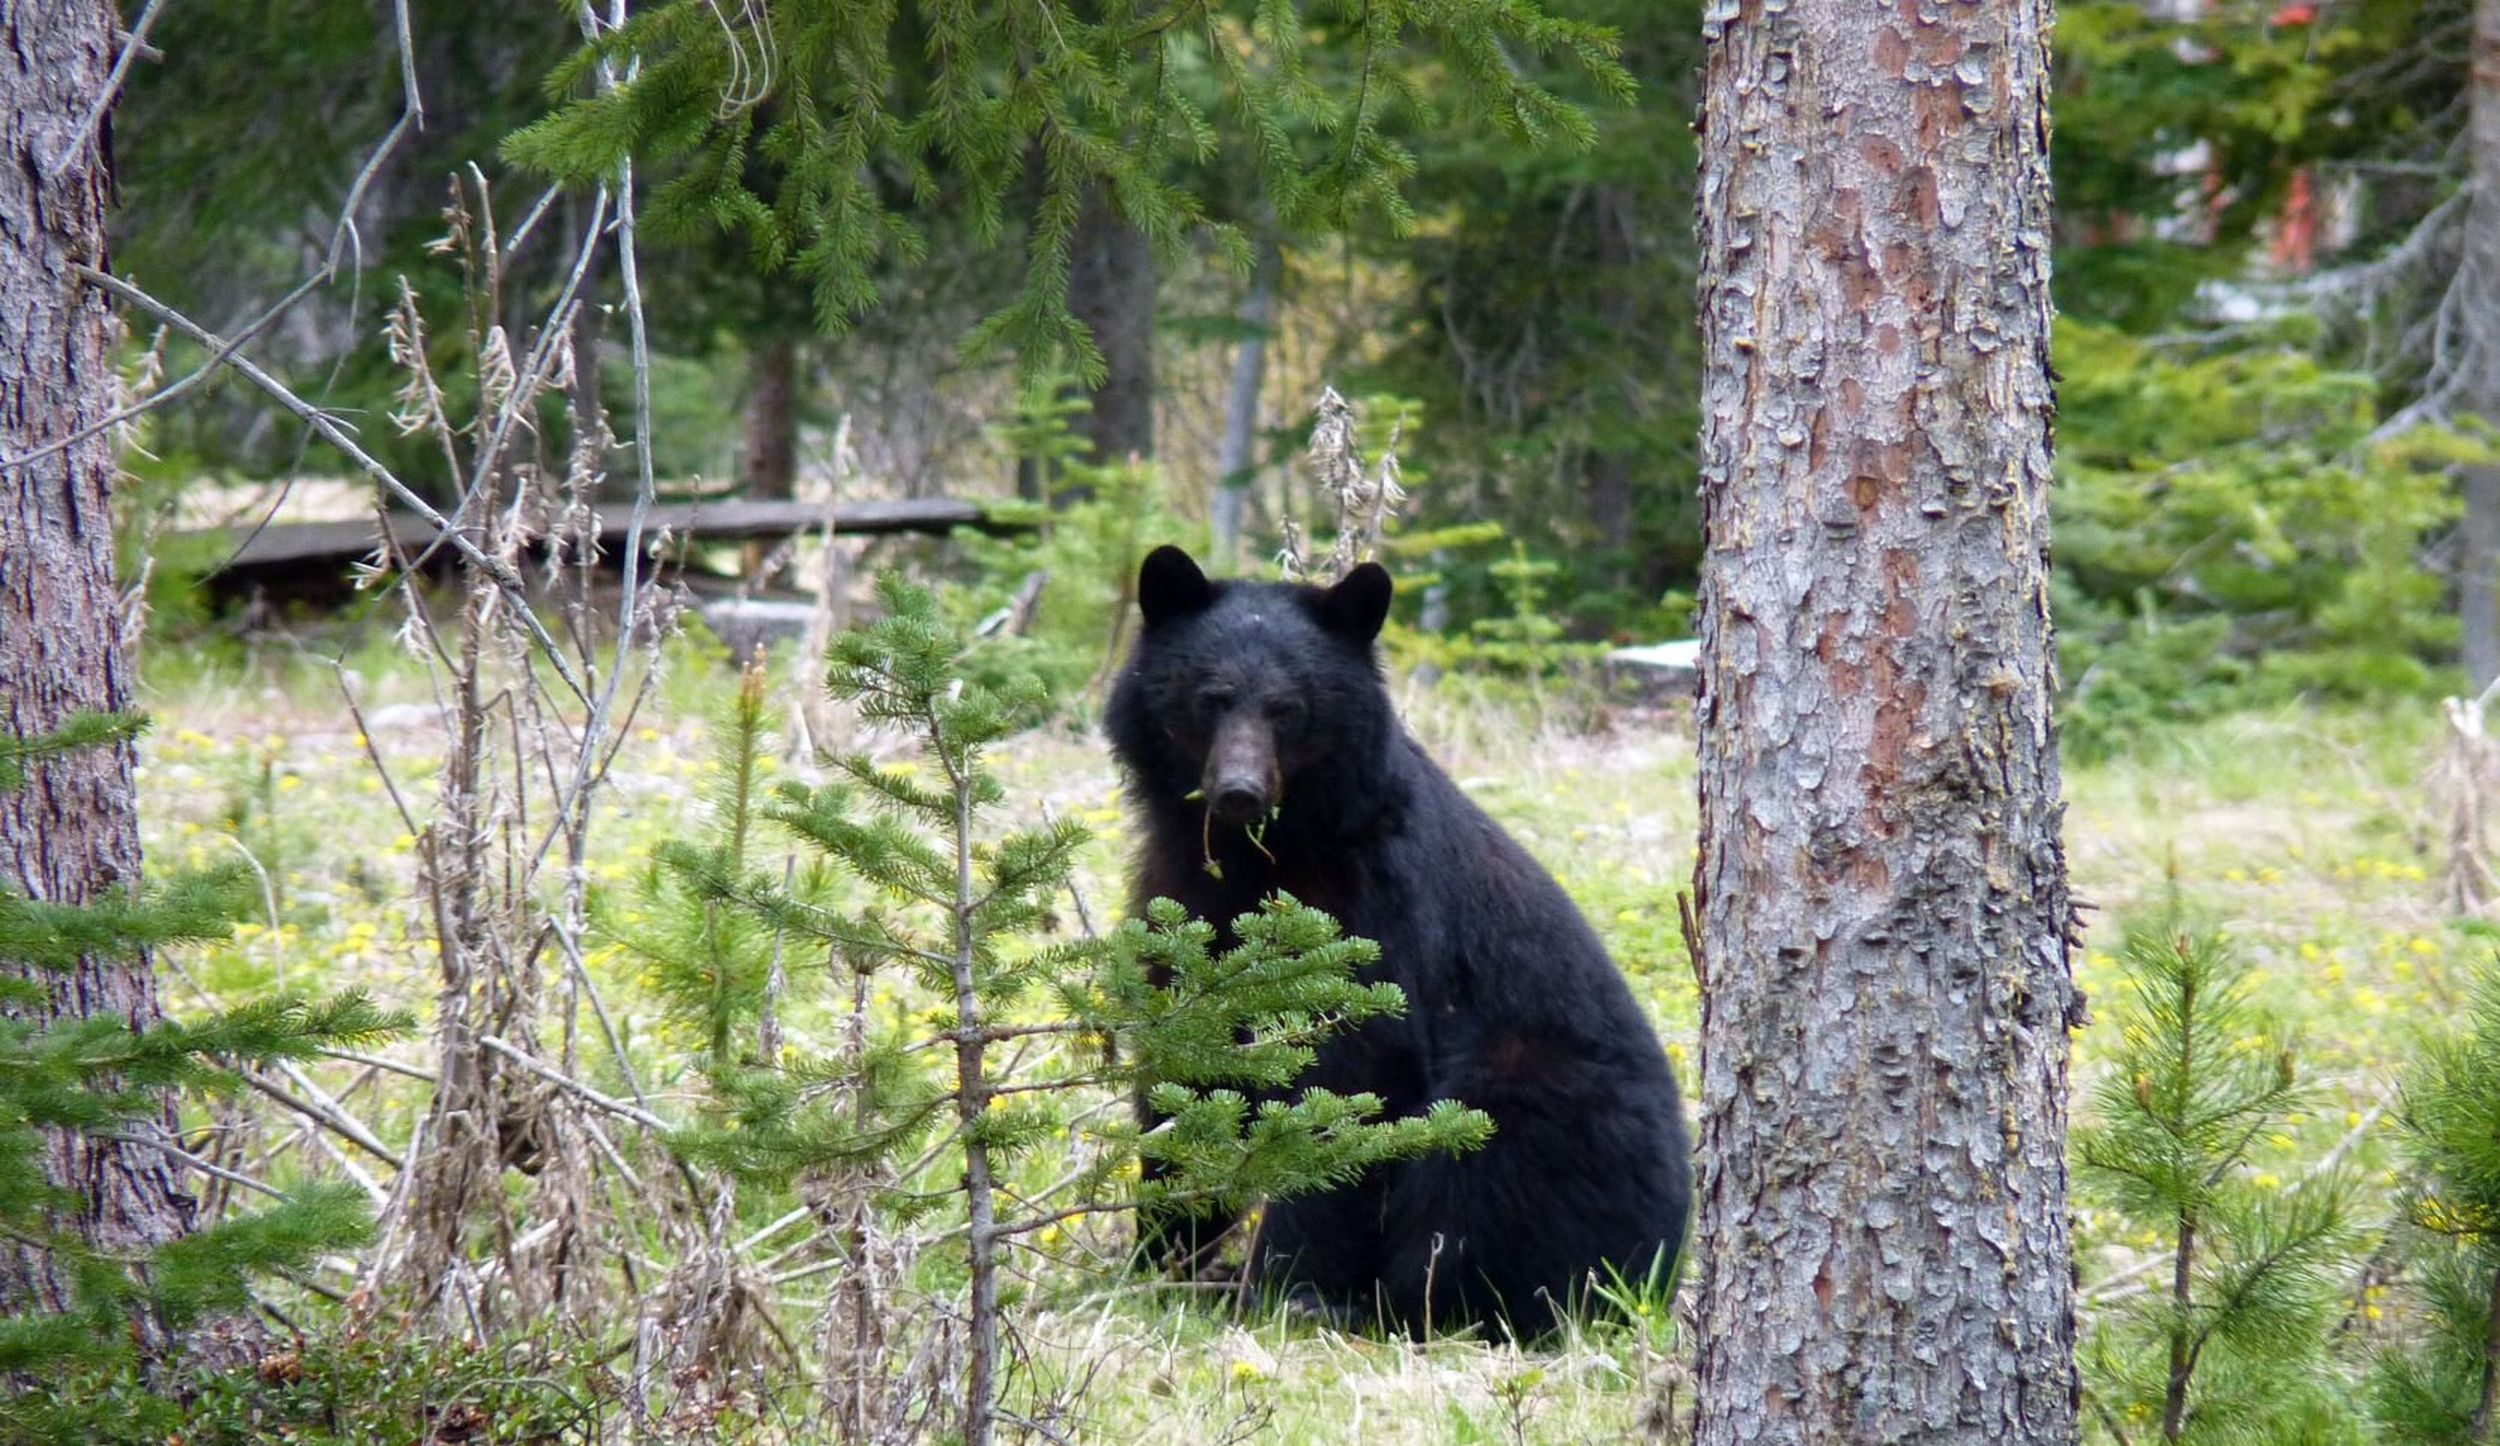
point(1245, 695)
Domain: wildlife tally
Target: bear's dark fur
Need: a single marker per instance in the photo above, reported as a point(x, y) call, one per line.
point(1245, 699)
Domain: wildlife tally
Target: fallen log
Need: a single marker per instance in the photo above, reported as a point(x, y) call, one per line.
point(302, 558)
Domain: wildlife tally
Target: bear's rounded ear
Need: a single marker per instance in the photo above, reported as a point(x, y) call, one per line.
point(1358, 604)
point(1169, 585)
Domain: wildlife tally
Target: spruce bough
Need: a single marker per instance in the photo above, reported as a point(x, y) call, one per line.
point(827, 132)
point(102, 1075)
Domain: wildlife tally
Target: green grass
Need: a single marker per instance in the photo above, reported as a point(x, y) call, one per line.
point(2313, 838)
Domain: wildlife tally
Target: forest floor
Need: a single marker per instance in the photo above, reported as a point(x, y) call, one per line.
point(2313, 838)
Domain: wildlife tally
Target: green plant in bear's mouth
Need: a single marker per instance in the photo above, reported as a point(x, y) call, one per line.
point(1255, 832)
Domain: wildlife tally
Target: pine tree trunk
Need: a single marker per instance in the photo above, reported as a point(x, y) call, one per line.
point(2478, 275)
point(2487, 1408)
point(1235, 467)
point(2174, 1399)
point(1111, 289)
point(71, 835)
point(972, 1098)
point(2478, 575)
point(1883, 1251)
point(770, 467)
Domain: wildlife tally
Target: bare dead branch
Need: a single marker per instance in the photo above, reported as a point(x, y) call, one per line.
point(205, 1167)
point(337, 1122)
point(134, 45)
point(330, 430)
point(572, 1086)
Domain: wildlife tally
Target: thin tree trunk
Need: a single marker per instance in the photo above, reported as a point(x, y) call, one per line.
point(1111, 289)
point(71, 835)
point(469, 1132)
point(2487, 1409)
point(972, 1098)
point(2478, 267)
point(2182, 1353)
point(770, 466)
point(1235, 463)
point(585, 400)
point(2183, 1258)
point(1883, 1250)
point(1608, 472)
point(2478, 275)
point(2478, 575)
point(454, 1173)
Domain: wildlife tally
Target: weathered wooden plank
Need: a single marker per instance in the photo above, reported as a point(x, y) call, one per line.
point(289, 545)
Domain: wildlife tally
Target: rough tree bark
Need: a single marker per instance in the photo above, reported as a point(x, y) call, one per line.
point(1884, 916)
point(71, 835)
point(2478, 280)
point(1111, 289)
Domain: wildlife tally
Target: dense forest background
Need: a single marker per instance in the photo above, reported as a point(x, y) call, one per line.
point(2259, 221)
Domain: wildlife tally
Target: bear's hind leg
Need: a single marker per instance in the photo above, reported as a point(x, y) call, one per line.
point(1515, 1234)
point(1320, 1254)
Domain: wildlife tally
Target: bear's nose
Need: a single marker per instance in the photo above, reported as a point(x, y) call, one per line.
point(1239, 801)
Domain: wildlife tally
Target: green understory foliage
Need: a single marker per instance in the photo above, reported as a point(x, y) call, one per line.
point(2226, 1338)
point(340, 1388)
point(2251, 266)
point(991, 1107)
point(100, 1076)
point(2439, 1384)
point(1522, 640)
point(1101, 520)
point(2229, 532)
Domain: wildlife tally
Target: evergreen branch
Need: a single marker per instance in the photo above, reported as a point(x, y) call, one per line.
point(78, 731)
point(195, 908)
point(822, 924)
point(2310, 1243)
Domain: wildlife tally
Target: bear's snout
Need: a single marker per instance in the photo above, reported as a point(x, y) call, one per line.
point(1241, 781)
point(1239, 803)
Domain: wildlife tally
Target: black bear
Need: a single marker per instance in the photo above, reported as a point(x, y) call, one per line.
point(1245, 702)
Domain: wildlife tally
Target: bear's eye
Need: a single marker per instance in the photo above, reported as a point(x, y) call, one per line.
point(1286, 712)
point(1213, 701)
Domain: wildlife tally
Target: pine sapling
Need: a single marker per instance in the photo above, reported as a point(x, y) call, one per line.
point(2233, 1341)
point(2440, 1386)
